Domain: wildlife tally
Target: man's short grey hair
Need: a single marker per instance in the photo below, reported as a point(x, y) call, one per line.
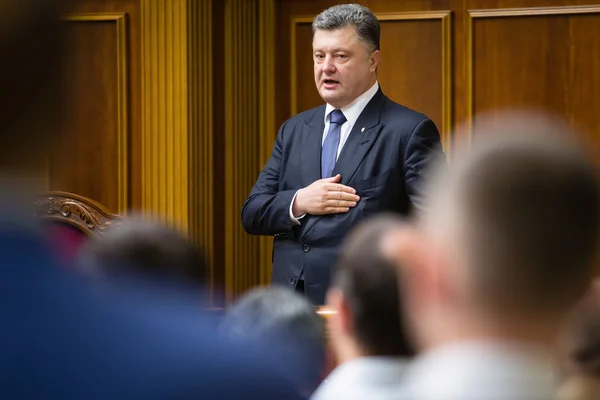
point(345, 15)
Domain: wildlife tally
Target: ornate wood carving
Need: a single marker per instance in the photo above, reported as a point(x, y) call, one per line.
point(84, 214)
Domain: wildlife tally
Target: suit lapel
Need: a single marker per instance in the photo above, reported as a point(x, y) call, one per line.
point(356, 147)
point(312, 136)
point(363, 134)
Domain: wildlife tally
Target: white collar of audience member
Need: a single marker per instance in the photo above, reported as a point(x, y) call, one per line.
point(353, 110)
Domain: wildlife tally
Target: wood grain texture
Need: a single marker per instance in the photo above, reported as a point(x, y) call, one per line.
point(248, 118)
point(200, 125)
point(96, 133)
point(555, 66)
point(84, 175)
point(164, 111)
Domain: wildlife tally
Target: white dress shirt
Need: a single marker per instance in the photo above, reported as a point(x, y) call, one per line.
point(365, 378)
point(482, 371)
point(352, 111)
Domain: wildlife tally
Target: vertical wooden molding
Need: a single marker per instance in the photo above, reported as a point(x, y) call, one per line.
point(200, 125)
point(267, 131)
point(164, 110)
point(249, 112)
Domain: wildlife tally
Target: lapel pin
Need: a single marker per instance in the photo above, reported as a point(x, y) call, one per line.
point(363, 129)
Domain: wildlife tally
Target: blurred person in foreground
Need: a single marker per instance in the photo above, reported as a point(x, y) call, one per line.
point(286, 325)
point(59, 338)
point(507, 248)
point(580, 347)
point(144, 247)
point(367, 330)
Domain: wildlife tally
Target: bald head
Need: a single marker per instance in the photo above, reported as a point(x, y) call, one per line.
point(520, 213)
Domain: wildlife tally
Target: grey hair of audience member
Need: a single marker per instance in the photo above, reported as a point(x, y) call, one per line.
point(143, 247)
point(351, 15)
point(518, 209)
point(287, 325)
point(369, 281)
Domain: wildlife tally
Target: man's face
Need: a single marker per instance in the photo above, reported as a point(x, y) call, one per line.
point(344, 66)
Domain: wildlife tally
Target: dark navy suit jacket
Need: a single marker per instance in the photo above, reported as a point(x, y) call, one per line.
point(61, 338)
point(384, 163)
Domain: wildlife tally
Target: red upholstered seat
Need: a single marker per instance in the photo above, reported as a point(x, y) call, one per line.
point(65, 239)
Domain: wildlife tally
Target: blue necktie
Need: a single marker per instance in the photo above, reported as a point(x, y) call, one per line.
point(331, 143)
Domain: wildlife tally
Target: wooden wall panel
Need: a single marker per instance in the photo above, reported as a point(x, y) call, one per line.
point(541, 58)
point(93, 119)
point(96, 135)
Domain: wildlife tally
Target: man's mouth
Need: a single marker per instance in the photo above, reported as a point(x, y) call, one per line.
point(330, 82)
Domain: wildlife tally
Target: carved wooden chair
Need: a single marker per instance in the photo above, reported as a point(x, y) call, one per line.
point(70, 220)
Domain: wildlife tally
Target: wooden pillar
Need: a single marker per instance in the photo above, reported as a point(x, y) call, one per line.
point(177, 141)
point(249, 134)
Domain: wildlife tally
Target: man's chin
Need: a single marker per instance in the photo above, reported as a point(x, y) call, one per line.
point(329, 96)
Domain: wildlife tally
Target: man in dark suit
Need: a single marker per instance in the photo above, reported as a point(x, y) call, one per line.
point(60, 337)
point(339, 163)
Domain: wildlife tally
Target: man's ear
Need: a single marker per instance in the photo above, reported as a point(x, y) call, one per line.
point(374, 60)
point(421, 269)
point(341, 321)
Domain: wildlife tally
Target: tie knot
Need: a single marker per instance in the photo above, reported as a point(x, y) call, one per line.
point(337, 117)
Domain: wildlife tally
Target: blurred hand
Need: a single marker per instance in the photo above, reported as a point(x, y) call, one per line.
point(325, 196)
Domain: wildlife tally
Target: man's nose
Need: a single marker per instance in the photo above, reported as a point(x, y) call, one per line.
point(328, 65)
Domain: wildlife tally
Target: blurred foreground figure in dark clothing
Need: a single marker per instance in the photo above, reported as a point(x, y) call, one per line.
point(61, 338)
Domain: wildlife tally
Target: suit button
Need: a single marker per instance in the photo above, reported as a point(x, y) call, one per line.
point(293, 281)
point(306, 248)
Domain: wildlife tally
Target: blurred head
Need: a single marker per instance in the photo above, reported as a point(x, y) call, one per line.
point(32, 44)
point(345, 52)
point(365, 293)
point(512, 226)
point(287, 325)
point(144, 248)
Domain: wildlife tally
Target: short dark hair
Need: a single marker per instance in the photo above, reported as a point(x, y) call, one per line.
point(144, 247)
point(351, 15)
point(369, 281)
point(524, 200)
point(288, 325)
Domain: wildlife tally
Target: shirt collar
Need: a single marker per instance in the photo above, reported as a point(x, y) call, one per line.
point(353, 110)
point(527, 367)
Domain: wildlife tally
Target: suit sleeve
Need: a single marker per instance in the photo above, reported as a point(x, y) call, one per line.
point(424, 148)
point(267, 210)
